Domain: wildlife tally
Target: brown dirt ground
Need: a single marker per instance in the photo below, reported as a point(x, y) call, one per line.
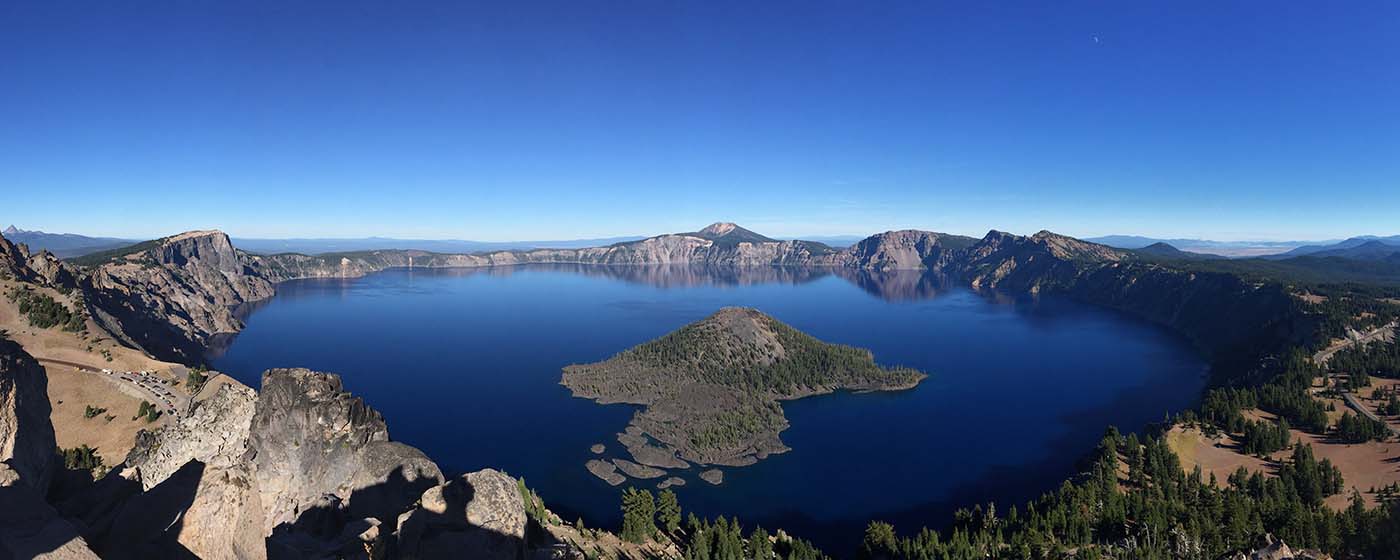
point(1215, 456)
point(70, 391)
point(1363, 465)
point(1387, 385)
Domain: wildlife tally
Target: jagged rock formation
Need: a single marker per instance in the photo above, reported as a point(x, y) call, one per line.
point(40, 268)
point(214, 433)
point(1273, 549)
point(207, 512)
point(26, 434)
point(312, 440)
point(188, 487)
point(1029, 264)
point(711, 389)
point(303, 470)
point(29, 527)
point(168, 297)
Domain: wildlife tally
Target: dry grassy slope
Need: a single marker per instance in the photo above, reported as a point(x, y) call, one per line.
point(1363, 465)
point(71, 391)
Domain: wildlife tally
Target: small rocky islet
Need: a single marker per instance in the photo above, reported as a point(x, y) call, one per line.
point(711, 392)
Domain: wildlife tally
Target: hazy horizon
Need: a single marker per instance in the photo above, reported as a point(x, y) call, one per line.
point(236, 235)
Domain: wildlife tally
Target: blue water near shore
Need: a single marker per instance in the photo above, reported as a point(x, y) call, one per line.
point(465, 365)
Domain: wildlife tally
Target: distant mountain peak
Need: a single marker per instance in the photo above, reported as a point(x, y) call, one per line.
point(730, 233)
point(720, 228)
point(12, 230)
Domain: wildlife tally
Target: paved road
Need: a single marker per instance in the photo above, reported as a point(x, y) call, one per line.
point(1384, 333)
point(160, 391)
point(1378, 333)
point(1361, 408)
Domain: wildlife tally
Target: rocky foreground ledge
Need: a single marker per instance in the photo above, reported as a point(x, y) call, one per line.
point(302, 470)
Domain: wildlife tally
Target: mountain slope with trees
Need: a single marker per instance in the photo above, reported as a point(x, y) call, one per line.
point(711, 389)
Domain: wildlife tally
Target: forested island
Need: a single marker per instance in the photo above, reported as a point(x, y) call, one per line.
point(711, 389)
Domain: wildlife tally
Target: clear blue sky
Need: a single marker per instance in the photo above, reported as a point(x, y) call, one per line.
point(570, 119)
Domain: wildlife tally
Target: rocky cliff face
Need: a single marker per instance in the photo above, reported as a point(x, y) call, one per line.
point(41, 268)
point(1029, 264)
point(312, 440)
point(902, 250)
point(26, 435)
point(1219, 312)
point(29, 527)
point(170, 296)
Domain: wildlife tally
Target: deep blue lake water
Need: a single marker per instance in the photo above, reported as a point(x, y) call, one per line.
point(465, 365)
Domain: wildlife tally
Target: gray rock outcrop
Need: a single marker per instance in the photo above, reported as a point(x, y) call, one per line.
point(29, 527)
point(170, 296)
point(207, 512)
point(713, 476)
point(311, 439)
point(481, 512)
point(605, 470)
point(42, 268)
point(196, 489)
point(215, 432)
point(26, 434)
point(1274, 549)
point(901, 250)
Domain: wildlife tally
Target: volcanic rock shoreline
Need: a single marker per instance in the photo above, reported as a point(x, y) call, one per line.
point(710, 391)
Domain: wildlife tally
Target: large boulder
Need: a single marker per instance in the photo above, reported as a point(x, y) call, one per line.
point(481, 512)
point(26, 434)
point(214, 433)
point(197, 511)
point(198, 492)
point(312, 440)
